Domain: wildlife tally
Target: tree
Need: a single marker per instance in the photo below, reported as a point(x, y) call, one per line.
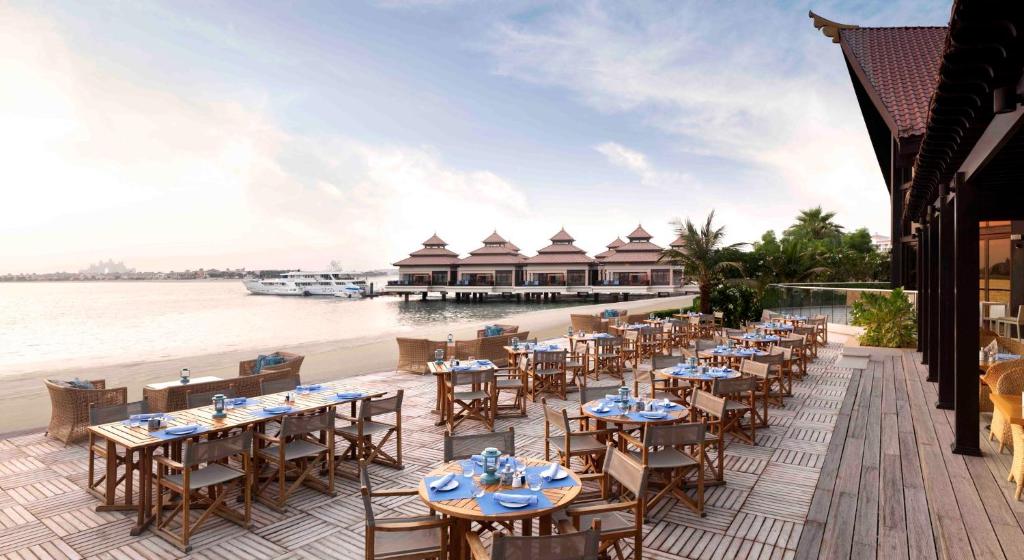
point(701, 255)
point(815, 224)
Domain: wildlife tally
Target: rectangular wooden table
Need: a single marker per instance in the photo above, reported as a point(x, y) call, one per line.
point(140, 441)
point(168, 384)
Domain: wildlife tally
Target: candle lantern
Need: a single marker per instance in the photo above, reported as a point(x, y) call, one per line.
point(439, 356)
point(185, 374)
point(218, 406)
point(515, 342)
point(490, 460)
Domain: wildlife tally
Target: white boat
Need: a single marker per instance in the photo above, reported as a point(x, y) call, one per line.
point(301, 283)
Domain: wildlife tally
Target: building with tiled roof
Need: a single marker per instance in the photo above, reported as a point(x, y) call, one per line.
point(497, 263)
point(559, 264)
point(638, 263)
point(434, 264)
point(618, 242)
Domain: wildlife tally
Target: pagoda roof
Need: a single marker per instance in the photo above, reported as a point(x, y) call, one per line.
point(639, 234)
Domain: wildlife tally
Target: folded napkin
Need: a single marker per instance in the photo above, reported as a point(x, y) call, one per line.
point(1007, 356)
point(993, 347)
point(148, 417)
point(551, 471)
point(315, 387)
point(486, 363)
point(442, 482)
point(186, 429)
point(515, 498)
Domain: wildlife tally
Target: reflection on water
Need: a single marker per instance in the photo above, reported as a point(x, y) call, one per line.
point(433, 311)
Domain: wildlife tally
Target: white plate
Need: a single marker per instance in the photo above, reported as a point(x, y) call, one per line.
point(511, 505)
point(452, 485)
point(181, 430)
point(654, 415)
point(562, 473)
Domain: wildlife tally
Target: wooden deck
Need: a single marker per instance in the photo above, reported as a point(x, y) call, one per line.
point(886, 487)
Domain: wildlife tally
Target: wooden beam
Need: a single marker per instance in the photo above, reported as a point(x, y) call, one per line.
point(946, 269)
point(965, 302)
point(998, 132)
point(934, 293)
point(922, 293)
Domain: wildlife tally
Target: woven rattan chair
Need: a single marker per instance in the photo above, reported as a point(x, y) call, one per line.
point(203, 466)
point(100, 447)
point(414, 353)
point(569, 443)
point(69, 407)
point(576, 545)
point(673, 453)
point(367, 434)
point(1017, 467)
point(464, 447)
point(401, 538)
point(618, 515)
point(505, 329)
point(279, 385)
point(1010, 382)
point(292, 363)
point(303, 446)
point(586, 323)
point(205, 398)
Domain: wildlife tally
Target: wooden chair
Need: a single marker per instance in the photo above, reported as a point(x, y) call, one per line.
point(718, 317)
point(590, 393)
point(296, 453)
point(401, 538)
point(367, 425)
point(475, 393)
point(798, 358)
point(464, 447)
point(619, 510)
point(69, 407)
point(546, 373)
point(739, 402)
point(677, 335)
point(570, 443)
point(820, 323)
point(711, 410)
point(577, 363)
point(673, 454)
point(631, 351)
point(765, 388)
point(204, 466)
point(661, 388)
point(787, 367)
point(279, 385)
point(608, 357)
point(651, 341)
point(576, 545)
point(98, 447)
point(205, 398)
point(810, 336)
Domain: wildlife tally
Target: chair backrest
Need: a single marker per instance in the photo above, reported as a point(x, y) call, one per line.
point(704, 344)
point(659, 361)
point(466, 349)
point(295, 425)
point(458, 378)
point(365, 488)
point(464, 447)
point(707, 403)
point(754, 368)
point(594, 392)
point(622, 468)
point(668, 435)
point(1011, 380)
point(280, 385)
point(204, 398)
point(369, 408)
point(115, 412)
point(724, 387)
point(785, 351)
point(549, 360)
point(733, 332)
point(557, 418)
point(211, 450)
point(580, 545)
point(608, 345)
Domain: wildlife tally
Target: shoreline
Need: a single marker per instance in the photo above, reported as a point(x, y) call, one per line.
point(26, 405)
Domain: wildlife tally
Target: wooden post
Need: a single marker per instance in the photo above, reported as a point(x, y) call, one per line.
point(923, 300)
point(947, 283)
point(966, 432)
point(935, 291)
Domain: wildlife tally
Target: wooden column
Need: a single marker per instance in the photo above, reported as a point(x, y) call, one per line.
point(966, 431)
point(896, 230)
point(922, 292)
point(934, 294)
point(947, 331)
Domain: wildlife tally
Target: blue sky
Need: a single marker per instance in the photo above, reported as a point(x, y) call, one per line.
point(273, 134)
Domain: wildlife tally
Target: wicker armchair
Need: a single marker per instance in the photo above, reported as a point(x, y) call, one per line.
point(414, 353)
point(587, 323)
point(1017, 467)
point(69, 407)
point(175, 397)
point(505, 329)
point(1010, 381)
point(292, 363)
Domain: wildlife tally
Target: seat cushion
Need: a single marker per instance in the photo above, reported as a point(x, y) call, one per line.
point(611, 521)
point(510, 384)
point(547, 372)
point(400, 543)
point(295, 449)
point(214, 473)
point(667, 459)
point(470, 395)
point(578, 443)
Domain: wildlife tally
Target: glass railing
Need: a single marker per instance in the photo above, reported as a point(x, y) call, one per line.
point(832, 300)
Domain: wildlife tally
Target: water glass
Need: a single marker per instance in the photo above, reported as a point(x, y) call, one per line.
point(533, 480)
point(468, 468)
point(229, 404)
point(133, 421)
point(478, 491)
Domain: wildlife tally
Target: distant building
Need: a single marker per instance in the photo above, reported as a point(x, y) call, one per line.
point(497, 263)
point(882, 243)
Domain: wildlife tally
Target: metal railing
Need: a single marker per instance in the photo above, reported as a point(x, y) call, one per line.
point(832, 300)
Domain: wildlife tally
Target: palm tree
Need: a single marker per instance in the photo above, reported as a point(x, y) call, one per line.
point(699, 252)
point(815, 224)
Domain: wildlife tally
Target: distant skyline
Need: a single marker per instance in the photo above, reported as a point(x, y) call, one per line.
point(173, 135)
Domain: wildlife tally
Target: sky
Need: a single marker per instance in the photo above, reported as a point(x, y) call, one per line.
point(175, 135)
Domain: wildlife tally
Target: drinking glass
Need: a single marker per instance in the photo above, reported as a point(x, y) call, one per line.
point(478, 491)
point(468, 468)
point(229, 404)
point(133, 420)
point(533, 480)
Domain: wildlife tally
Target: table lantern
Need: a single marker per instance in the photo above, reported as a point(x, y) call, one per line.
point(185, 374)
point(515, 343)
point(439, 356)
point(570, 331)
point(451, 340)
point(218, 406)
point(624, 393)
point(490, 460)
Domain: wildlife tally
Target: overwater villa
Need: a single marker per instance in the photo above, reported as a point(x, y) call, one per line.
point(636, 266)
point(561, 264)
point(496, 264)
point(433, 265)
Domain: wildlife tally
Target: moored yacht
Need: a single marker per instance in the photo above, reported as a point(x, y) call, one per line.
point(302, 283)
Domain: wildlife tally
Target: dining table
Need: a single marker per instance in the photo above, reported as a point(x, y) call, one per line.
point(701, 377)
point(755, 339)
point(470, 500)
point(732, 355)
point(247, 413)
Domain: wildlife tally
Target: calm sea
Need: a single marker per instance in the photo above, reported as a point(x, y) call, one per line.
point(46, 325)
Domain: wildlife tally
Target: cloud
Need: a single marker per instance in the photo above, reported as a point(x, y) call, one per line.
point(101, 167)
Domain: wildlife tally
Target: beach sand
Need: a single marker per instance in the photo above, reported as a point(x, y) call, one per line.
point(25, 405)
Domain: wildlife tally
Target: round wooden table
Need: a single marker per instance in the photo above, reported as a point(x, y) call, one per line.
point(624, 422)
point(466, 510)
point(759, 341)
point(732, 356)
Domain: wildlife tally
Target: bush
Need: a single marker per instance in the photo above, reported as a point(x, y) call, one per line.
point(888, 319)
point(737, 303)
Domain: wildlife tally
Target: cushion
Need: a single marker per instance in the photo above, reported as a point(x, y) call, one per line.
point(491, 330)
point(265, 360)
point(80, 384)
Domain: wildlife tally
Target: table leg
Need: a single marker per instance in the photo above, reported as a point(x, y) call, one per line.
point(440, 406)
point(111, 481)
point(457, 548)
point(545, 525)
point(145, 516)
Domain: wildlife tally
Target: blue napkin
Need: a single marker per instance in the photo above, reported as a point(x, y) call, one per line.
point(612, 411)
point(490, 506)
point(1003, 356)
point(310, 388)
point(349, 395)
point(638, 417)
point(264, 413)
point(243, 401)
point(163, 435)
point(563, 483)
point(462, 491)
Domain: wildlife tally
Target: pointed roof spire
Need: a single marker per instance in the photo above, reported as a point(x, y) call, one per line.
point(434, 241)
point(639, 234)
point(562, 236)
point(616, 244)
point(495, 238)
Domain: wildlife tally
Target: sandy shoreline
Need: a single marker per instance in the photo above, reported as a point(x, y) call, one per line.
point(25, 403)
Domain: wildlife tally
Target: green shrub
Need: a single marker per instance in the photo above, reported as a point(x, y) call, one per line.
point(888, 319)
point(737, 303)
